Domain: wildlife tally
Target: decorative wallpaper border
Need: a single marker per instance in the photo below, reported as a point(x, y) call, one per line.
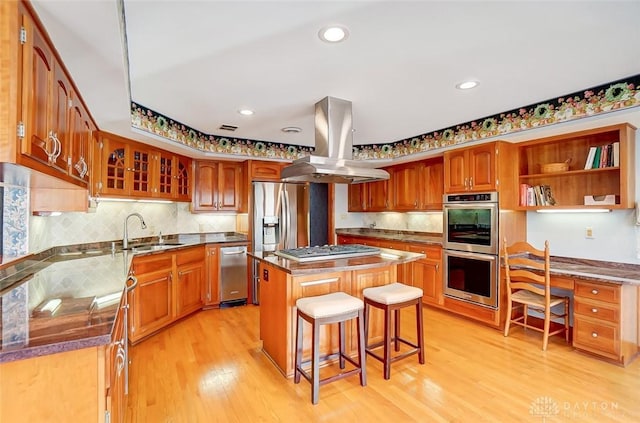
point(609, 97)
point(155, 123)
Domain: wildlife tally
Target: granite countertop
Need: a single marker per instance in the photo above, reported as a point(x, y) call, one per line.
point(386, 257)
point(88, 279)
point(402, 236)
point(595, 270)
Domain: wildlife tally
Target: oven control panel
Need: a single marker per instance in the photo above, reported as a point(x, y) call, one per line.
point(480, 197)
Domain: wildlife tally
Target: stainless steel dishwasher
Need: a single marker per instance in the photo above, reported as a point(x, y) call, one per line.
point(233, 275)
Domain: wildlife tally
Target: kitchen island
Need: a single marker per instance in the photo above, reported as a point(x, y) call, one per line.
point(283, 281)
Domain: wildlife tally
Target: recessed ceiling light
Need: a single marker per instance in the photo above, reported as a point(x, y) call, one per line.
point(467, 85)
point(291, 129)
point(245, 112)
point(333, 34)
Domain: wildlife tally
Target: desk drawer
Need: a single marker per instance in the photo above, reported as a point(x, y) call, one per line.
point(597, 310)
point(596, 337)
point(597, 291)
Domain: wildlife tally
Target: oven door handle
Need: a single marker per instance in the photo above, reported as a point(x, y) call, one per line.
point(456, 253)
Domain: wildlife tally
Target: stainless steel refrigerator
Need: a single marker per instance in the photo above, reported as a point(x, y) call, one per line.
point(287, 216)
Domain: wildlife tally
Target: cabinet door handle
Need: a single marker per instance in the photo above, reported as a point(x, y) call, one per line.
point(594, 334)
point(471, 182)
point(134, 282)
point(466, 183)
point(594, 310)
point(595, 291)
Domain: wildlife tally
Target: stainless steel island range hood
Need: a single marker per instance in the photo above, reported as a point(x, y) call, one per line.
point(332, 161)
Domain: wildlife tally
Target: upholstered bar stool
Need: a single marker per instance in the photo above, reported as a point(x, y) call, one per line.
point(337, 307)
point(392, 298)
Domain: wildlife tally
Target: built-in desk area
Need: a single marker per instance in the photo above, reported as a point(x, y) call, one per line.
point(604, 306)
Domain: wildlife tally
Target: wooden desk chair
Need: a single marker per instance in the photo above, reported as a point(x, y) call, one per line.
point(528, 286)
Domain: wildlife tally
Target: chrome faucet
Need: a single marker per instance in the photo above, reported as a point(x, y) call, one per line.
point(125, 238)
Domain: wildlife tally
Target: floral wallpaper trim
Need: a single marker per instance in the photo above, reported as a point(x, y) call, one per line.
point(153, 122)
point(609, 97)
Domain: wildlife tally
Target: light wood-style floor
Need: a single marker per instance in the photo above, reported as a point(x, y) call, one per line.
point(210, 368)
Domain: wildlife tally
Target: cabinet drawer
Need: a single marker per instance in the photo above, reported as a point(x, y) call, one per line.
point(596, 291)
point(597, 310)
point(432, 253)
point(152, 262)
point(592, 335)
point(190, 255)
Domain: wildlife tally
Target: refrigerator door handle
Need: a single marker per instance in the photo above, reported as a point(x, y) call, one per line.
point(287, 217)
point(281, 226)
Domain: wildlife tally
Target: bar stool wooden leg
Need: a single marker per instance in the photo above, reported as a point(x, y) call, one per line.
point(341, 343)
point(296, 372)
point(387, 343)
point(315, 364)
point(420, 332)
point(361, 348)
point(396, 329)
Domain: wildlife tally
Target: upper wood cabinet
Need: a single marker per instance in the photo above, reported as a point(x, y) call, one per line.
point(265, 171)
point(569, 188)
point(418, 186)
point(132, 169)
point(53, 125)
point(485, 167)
point(470, 169)
point(370, 196)
point(219, 186)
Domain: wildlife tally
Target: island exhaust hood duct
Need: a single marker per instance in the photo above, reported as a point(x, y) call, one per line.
point(332, 162)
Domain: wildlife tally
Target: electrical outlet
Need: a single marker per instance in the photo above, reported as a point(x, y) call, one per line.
point(588, 233)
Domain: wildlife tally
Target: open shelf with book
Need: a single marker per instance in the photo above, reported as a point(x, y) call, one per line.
point(601, 166)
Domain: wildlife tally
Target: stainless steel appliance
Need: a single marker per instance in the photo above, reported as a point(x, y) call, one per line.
point(327, 252)
point(287, 216)
point(333, 153)
point(470, 252)
point(233, 275)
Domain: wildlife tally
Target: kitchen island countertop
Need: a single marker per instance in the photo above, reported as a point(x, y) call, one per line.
point(385, 258)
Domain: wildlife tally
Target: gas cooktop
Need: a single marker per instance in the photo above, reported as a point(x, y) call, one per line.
point(327, 252)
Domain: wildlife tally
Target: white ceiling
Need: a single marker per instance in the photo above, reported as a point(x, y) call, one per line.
point(198, 62)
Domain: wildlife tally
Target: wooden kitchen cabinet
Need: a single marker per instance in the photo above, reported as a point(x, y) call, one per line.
point(133, 170)
point(569, 188)
point(41, 107)
point(117, 362)
point(173, 176)
point(426, 273)
point(470, 169)
point(190, 268)
point(356, 197)
point(370, 196)
point(151, 301)
point(605, 320)
point(211, 286)
point(219, 186)
point(278, 294)
point(418, 186)
point(170, 286)
point(265, 171)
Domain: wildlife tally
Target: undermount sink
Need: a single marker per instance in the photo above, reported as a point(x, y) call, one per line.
point(154, 247)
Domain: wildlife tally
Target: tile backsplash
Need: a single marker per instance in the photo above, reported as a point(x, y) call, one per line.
point(416, 222)
point(107, 223)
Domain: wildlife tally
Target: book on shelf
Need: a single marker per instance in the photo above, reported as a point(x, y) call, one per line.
point(536, 195)
point(590, 156)
point(602, 156)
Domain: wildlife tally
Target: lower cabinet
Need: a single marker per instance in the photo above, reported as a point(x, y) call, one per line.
point(426, 273)
point(117, 362)
point(169, 287)
point(190, 269)
point(211, 287)
point(278, 294)
point(605, 320)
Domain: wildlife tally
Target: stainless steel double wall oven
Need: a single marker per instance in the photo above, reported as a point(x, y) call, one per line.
point(471, 251)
